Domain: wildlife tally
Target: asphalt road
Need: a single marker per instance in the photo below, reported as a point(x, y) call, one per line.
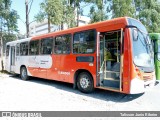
point(46, 95)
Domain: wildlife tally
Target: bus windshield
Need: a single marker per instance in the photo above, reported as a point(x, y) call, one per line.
point(142, 47)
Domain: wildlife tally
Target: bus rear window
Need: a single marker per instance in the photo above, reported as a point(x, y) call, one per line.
point(84, 42)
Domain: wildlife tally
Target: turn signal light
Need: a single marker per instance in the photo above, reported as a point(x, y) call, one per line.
point(138, 72)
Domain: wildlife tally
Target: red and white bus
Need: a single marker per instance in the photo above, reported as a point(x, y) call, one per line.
point(113, 55)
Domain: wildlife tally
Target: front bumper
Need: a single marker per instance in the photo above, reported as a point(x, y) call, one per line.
point(140, 86)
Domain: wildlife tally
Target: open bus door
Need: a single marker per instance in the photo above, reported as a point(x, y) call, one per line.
point(110, 60)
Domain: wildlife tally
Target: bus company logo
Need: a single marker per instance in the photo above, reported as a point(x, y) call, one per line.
point(63, 73)
point(6, 114)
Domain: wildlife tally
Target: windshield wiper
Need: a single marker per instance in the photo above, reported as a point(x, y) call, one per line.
point(148, 43)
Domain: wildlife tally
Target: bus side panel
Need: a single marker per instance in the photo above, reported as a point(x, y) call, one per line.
point(111, 27)
point(39, 65)
point(24, 61)
point(45, 63)
point(73, 66)
point(65, 66)
point(88, 66)
point(52, 73)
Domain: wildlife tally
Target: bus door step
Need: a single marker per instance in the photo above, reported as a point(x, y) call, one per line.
point(109, 88)
point(111, 83)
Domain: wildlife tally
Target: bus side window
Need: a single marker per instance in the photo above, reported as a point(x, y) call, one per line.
point(57, 47)
point(24, 48)
point(34, 47)
point(46, 46)
point(17, 49)
point(67, 41)
point(7, 50)
point(62, 44)
point(84, 42)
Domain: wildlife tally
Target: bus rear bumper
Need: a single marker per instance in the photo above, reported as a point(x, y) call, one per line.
point(140, 86)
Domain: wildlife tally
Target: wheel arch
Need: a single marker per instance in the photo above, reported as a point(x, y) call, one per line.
point(22, 66)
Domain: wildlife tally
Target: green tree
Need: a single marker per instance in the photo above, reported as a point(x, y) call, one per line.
point(71, 11)
point(120, 8)
point(68, 17)
point(148, 12)
point(52, 10)
point(98, 11)
point(77, 9)
point(8, 24)
point(60, 12)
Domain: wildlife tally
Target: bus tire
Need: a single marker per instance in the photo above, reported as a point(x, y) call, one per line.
point(24, 74)
point(85, 82)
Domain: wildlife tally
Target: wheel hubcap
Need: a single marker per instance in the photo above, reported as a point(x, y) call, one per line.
point(84, 82)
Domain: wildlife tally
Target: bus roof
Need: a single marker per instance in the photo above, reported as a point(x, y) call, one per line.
point(120, 20)
point(155, 36)
point(17, 41)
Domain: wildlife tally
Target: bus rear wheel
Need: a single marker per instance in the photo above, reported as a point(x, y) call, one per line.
point(85, 82)
point(24, 74)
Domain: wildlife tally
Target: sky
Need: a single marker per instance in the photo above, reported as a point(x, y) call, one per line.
point(19, 6)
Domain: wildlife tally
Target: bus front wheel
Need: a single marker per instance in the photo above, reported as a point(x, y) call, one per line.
point(85, 82)
point(24, 74)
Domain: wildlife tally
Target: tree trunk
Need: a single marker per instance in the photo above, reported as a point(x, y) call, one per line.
point(1, 54)
point(102, 12)
point(62, 26)
point(1, 48)
point(27, 19)
point(49, 24)
point(76, 9)
point(77, 16)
